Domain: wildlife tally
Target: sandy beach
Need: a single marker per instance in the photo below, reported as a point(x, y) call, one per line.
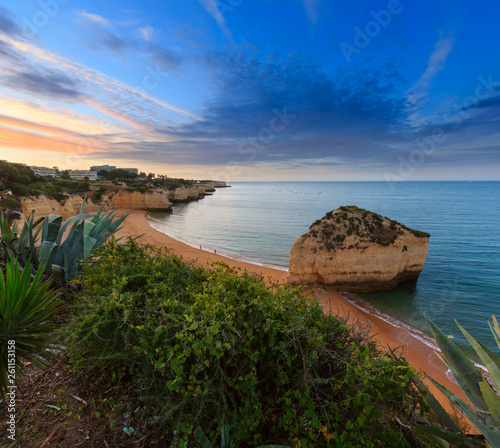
point(419, 354)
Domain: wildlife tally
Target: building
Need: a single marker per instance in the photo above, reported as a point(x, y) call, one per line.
point(44, 171)
point(82, 174)
point(131, 170)
point(98, 168)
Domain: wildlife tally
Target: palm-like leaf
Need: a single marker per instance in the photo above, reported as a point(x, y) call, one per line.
point(485, 413)
point(27, 306)
point(55, 243)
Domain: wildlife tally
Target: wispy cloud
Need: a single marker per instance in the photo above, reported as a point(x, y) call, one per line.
point(147, 32)
point(213, 9)
point(48, 84)
point(112, 113)
point(437, 60)
point(7, 24)
point(312, 9)
point(94, 18)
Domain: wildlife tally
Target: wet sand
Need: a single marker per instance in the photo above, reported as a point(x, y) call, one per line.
point(419, 355)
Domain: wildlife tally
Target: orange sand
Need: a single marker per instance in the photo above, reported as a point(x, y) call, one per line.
point(418, 354)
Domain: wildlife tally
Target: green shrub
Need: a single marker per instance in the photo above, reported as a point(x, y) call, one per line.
point(10, 203)
point(19, 190)
point(213, 347)
point(27, 306)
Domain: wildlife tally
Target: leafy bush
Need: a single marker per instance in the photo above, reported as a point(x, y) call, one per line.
point(10, 203)
point(55, 191)
point(27, 306)
point(19, 190)
point(205, 348)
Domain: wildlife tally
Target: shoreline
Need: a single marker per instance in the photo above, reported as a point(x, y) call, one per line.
point(419, 353)
point(210, 250)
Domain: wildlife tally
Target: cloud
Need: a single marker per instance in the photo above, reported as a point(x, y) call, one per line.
point(7, 25)
point(312, 9)
point(437, 60)
point(94, 18)
point(7, 51)
point(51, 84)
point(348, 116)
point(80, 82)
point(147, 32)
point(213, 9)
point(165, 58)
point(112, 42)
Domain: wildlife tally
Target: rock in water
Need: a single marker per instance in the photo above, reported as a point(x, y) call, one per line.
point(355, 250)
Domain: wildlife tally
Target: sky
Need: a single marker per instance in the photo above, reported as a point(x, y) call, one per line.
point(269, 90)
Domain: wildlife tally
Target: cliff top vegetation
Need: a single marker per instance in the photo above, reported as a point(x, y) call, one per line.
point(352, 227)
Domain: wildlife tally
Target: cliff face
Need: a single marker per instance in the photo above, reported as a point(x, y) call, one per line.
point(197, 191)
point(352, 249)
point(44, 205)
point(152, 201)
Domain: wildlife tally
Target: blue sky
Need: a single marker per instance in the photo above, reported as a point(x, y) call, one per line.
point(254, 90)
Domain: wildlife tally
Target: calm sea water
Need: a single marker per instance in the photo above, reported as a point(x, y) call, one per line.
point(460, 279)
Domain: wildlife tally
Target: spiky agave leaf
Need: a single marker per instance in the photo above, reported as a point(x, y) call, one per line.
point(489, 359)
point(481, 418)
point(27, 306)
point(466, 373)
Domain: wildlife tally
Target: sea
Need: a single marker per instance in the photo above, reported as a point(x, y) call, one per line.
point(259, 222)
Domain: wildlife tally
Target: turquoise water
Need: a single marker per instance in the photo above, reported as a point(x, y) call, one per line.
point(460, 279)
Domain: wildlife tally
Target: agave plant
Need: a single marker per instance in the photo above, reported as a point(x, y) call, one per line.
point(27, 305)
point(484, 413)
point(55, 243)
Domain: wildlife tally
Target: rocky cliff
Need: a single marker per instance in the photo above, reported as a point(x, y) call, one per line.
point(194, 192)
point(154, 200)
point(355, 250)
point(150, 200)
point(45, 205)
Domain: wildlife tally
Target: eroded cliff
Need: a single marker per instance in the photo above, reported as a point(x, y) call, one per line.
point(151, 200)
point(355, 250)
point(45, 205)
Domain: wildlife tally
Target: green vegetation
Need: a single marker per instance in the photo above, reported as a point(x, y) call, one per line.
point(485, 411)
point(27, 306)
point(41, 243)
point(337, 226)
point(209, 348)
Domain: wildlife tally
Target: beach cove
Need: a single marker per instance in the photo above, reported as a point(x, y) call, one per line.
point(415, 347)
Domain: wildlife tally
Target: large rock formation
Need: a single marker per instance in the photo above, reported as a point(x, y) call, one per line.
point(194, 192)
point(150, 200)
point(45, 205)
point(117, 197)
point(355, 250)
